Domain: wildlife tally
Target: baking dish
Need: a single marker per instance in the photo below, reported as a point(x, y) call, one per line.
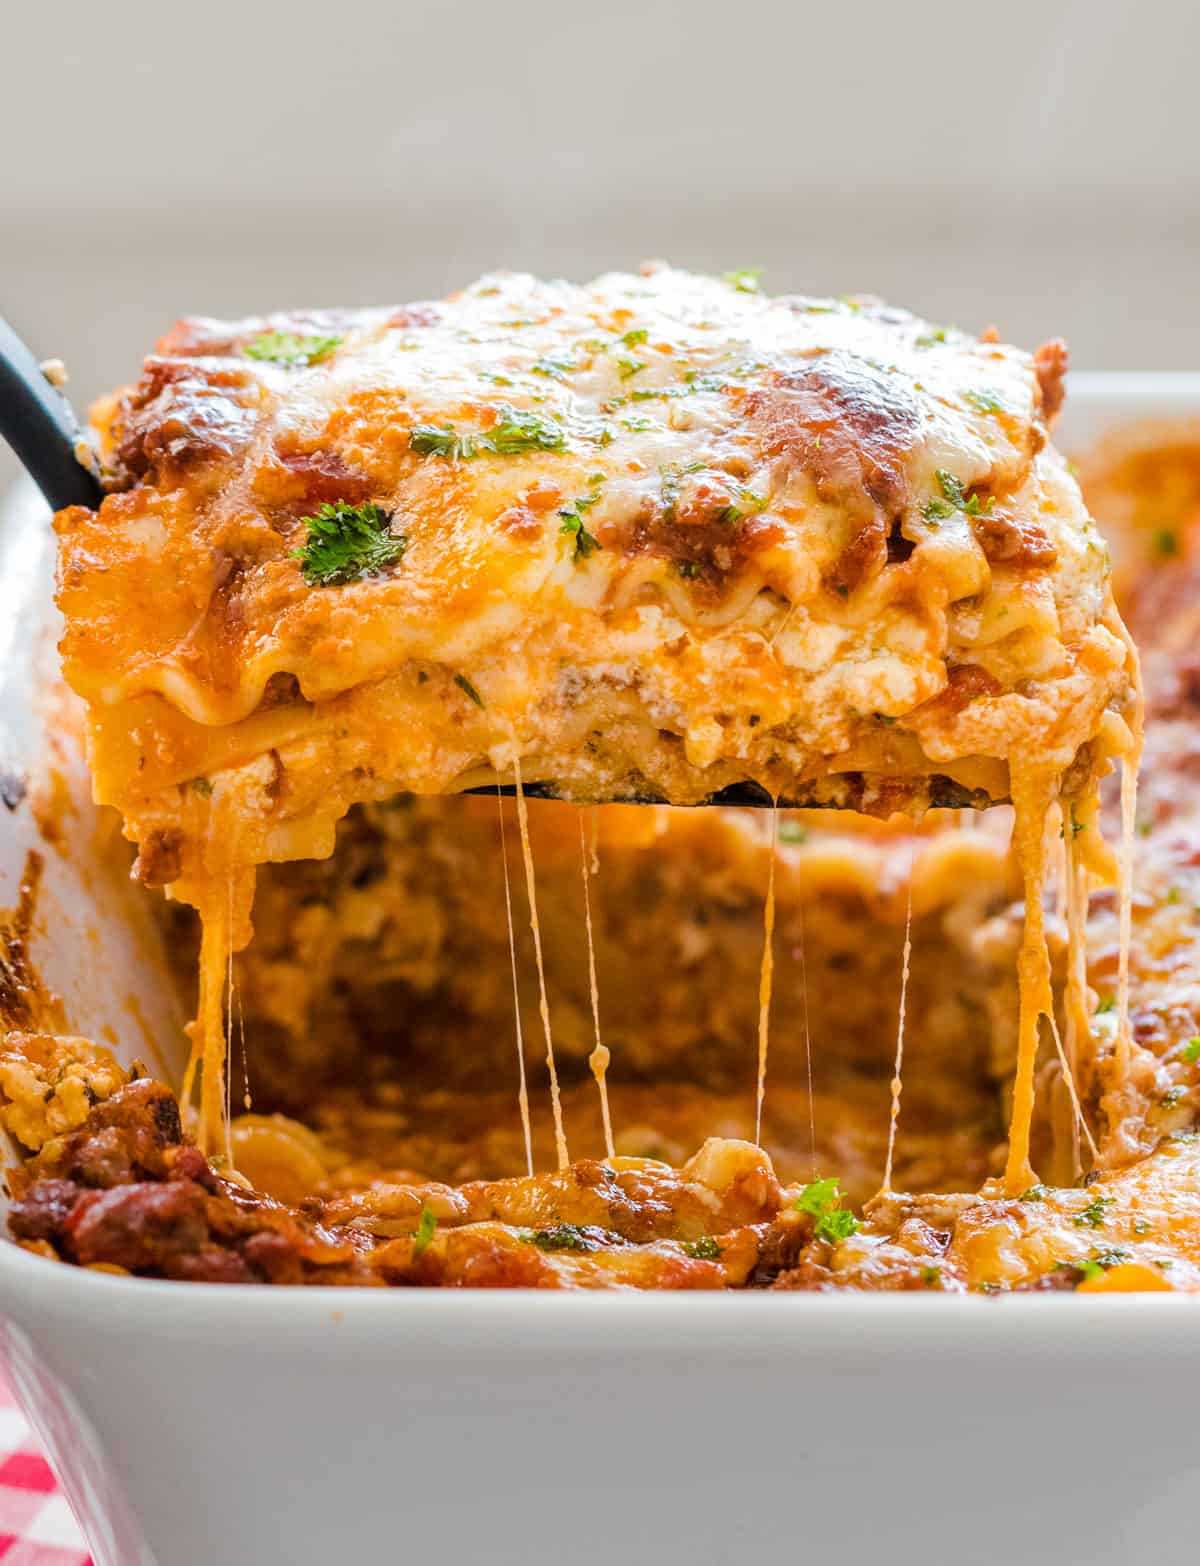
point(196, 1425)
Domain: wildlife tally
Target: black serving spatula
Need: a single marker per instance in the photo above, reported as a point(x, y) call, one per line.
point(39, 424)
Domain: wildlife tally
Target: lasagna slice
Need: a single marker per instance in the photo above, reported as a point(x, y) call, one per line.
point(643, 539)
point(650, 539)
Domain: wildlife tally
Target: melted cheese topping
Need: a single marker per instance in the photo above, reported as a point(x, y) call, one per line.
point(833, 555)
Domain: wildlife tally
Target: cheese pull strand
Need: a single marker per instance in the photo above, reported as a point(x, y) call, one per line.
point(898, 1073)
point(766, 978)
point(560, 1139)
point(1033, 790)
point(522, 1083)
point(600, 1057)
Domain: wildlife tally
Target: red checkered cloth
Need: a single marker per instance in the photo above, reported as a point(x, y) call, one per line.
point(36, 1525)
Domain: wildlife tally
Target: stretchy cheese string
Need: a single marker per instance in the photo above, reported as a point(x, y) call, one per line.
point(560, 1140)
point(247, 1100)
point(1032, 793)
point(1129, 783)
point(1075, 1002)
point(208, 1031)
point(898, 1074)
point(812, 1113)
point(1130, 764)
point(600, 1056)
point(522, 1085)
point(766, 976)
point(227, 1061)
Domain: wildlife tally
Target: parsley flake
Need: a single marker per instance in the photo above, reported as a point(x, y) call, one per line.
point(468, 689)
point(556, 369)
point(1035, 1193)
point(628, 366)
point(516, 431)
point(1095, 1214)
point(425, 1230)
point(703, 1249)
point(287, 348)
point(586, 543)
point(954, 498)
point(1166, 543)
point(984, 402)
point(745, 280)
point(822, 1202)
point(747, 504)
point(564, 1237)
point(792, 832)
point(1191, 1050)
point(1109, 1003)
point(346, 543)
point(635, 336)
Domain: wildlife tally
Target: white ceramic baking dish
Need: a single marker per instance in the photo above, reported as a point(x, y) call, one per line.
point(195, 1425)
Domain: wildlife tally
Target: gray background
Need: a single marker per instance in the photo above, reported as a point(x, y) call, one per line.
point(1032, 165)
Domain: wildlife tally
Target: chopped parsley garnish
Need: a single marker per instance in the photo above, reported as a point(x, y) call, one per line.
point(1109, 1003)
point(704, 1249)
point(931, 1276)
point(563, 1237)
point(425, 1230)
point(673, 475)
point(792, 832)
point(1035, 1193)
point(689, 568)
point(822, 1202)
point(442, 440)
point(954, 498)
point(515, 431)
point(346, 543)
point(747, 504)
point(985, 402)
point(744, 280)
point(1094, 1214)
point(1099, 1262)
point(1142, 1226)
point(634, 336)
point(1077, 826)
point(286, 348)
point(468, 689)
point(556, 369)
point(628, 366)
point(1166, 543)
point(572, 522)
point(1191, 1050)
point(929, 339)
